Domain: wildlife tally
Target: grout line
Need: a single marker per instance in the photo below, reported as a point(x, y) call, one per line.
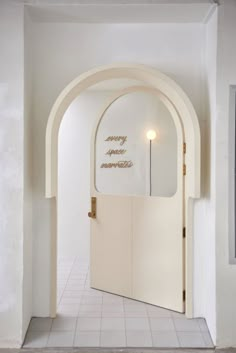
point(48, 338)
point(173, 319)
point(126, 339)
point(150, 328)
point(201, 332)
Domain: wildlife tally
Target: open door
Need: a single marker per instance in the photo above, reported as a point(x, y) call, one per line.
point(137, 209)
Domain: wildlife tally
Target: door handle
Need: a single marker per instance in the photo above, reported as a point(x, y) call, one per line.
point(93, 212)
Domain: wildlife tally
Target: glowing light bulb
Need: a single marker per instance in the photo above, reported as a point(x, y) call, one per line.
point(151, 135)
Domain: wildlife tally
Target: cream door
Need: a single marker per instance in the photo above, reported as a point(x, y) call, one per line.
point(137, 245)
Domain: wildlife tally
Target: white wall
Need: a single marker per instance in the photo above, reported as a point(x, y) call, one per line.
point(63, 51)
point(11, 176)
point(225, 273)
point(28, 171)
point(74, 176)
point(204, 216)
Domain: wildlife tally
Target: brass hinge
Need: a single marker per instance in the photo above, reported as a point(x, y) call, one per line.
point(184, 232)
point(184, 295)
point(184, 147)
point(184, 169)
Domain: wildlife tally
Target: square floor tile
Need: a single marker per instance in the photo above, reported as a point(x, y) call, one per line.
point(68, 310)
point(113, 339)
point(91, 300)
point(76, 287)
point(87, 339)
point(112, 314)
point(70, 300)
point(36, 339)
point(61, 339)
point(162, 324)
point(207, 339)
point(135, 308)
point(136, 314)
point(191, 340)
point(90, 314)
point(88, 324)
point(139, 338)
point(40, 324)
point(117, 308)
point(63, 323)
point(81, 275)
point(113, 324)
point(112, 300)
point(73, 293)
point(165, 339)
point(202, 325)
point(154, 311)
point(90, 307)
point(76, 281)
point(186, 325)
point(137, 323)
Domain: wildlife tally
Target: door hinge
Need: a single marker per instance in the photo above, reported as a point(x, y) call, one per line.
point(184, 169)
point(184, 147)
point(184, 232)
point(184, 295)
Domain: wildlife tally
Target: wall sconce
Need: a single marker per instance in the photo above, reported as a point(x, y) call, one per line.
point(151, 135)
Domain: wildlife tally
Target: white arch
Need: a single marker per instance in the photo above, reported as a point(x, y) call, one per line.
point(150, 77)
point(175, 97)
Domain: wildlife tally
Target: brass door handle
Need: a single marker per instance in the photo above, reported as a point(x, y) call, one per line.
point(93, 212)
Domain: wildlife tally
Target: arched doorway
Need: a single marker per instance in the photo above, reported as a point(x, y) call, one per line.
point(170, 92)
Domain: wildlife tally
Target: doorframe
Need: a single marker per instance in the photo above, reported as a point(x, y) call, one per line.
point(156, 80)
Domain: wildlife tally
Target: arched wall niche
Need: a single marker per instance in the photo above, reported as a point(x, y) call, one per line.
point(115, 97)
point(172, 94)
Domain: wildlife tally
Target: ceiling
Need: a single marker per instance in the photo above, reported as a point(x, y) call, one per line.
point(122, 11)
point(112, 2)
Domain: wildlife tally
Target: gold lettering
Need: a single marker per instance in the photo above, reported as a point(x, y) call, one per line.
point(119, 164)
point(111, 152)
point(121, 139)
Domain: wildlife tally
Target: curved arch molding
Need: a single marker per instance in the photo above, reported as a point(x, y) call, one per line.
point(151, 78)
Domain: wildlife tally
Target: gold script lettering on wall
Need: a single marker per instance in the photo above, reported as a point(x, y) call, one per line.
point(113, 152)
point(119, 164)
point(121, 139)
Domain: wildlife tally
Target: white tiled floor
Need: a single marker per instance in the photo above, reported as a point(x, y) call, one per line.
point(91, 318)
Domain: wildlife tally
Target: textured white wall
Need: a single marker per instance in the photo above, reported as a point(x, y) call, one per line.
point(225, 272)
point(28, 178)
point(63, 51)
point(74, 175)
point(204, 216)
point(11, 175)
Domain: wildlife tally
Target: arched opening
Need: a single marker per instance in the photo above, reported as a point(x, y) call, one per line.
point(187, 117)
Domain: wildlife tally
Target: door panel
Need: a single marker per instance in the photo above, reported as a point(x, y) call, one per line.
point(158, 251)
point(110, 259)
